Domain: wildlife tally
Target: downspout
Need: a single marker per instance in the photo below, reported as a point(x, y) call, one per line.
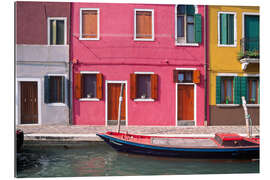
point(70, 67)
point(205, 67)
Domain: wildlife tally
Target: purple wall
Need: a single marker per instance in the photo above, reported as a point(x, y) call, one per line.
point(116, 55)
point(31, 20)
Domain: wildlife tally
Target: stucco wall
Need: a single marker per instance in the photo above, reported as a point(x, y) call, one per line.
point(116, 55)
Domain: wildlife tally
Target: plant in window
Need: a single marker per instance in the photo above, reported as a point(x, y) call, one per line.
point(228, 99)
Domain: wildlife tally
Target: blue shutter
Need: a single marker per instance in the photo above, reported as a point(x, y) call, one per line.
point(243, 91)
point(218, 90)
point(198, 28)
point(236, 90)
point(47, 89)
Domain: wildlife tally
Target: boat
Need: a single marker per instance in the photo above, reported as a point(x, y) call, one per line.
point(19, 139)
point(221, 146)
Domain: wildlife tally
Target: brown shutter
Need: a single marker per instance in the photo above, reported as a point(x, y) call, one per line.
point(196, 76)
point(89, 23)
point(78, 85)
point(133, 86)
point(175, 76)
point(99, 86)
point(154, 86)
point(143, 25)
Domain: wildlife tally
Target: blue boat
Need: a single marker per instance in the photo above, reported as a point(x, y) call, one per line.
point(222, 146)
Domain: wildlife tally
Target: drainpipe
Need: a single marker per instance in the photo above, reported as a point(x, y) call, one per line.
point(205, 67)
point(70, 68)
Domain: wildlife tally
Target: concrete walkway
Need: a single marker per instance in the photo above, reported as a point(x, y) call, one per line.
point(88, 133)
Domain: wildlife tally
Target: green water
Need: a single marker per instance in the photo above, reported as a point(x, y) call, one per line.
point(99, 159)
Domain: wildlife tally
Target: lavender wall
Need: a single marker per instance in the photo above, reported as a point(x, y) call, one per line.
point(116, 55)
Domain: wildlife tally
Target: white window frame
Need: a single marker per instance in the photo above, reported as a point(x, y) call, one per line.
point(66, 91)
point(235, 29)
point(89, 99)
point(252, 75)
point(153, 25)
point(49, 26)
point(146, 99)
point(98, 24)
point(175, 15)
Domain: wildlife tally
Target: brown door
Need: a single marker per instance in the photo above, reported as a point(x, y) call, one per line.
point(29, 107)
point(185, 102)
point(113, 101)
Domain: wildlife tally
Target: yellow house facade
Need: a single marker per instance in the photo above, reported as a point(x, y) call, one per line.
point(233, 58)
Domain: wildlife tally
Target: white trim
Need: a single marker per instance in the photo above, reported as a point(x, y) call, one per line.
point(227, 105)
point(227, 74)
point(56, 104)
point(235, 30)
point(106, 100)
point(18, 102)
point(89, 72)
point(153, 25)
point(251, 75)
point(195, 102)
point(89, 99)
point(65, 75)
point(144, 100)
point(98, 24)
point(48, 30)
point(144, 73)
point(243, 20)
point(253, 105)
point(186, 69)
point(175, 28)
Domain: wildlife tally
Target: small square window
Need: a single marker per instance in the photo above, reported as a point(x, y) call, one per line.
point(54, 89)
point(56, 31)
point(89, 28)
point(185, 76)
point(144, 24)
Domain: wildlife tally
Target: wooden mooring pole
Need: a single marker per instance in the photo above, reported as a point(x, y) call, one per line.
point(119, 108)
point(247, 117)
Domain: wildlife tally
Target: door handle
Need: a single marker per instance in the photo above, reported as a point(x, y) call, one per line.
point(25, 100)
point(35, 100)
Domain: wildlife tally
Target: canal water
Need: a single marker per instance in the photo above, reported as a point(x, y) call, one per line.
point(99, 159)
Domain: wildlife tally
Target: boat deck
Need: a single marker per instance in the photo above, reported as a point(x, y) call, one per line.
point(183, 142)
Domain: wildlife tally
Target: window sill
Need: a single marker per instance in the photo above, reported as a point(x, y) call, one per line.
point(227, 105)
point(85, 39)
point(89, 99)
point(56, 104)
point(253, 105)
point(227, 45)
point(186, 44)
point(144, 39)
point(144, 100)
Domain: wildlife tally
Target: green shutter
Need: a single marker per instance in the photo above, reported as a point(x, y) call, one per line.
point(46, 89)
point(236, 90)
point(218, 90)
point(223, 29)
point(243, 88)
point(62, 99)
point(198, 28)
point(230, 22)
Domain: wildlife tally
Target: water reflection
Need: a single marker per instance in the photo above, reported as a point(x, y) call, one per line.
point(102, 160)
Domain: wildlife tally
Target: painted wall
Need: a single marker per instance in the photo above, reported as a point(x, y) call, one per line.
point(116, 55)
point(224, 59)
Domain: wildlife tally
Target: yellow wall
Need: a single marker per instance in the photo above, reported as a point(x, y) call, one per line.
point(224, 59)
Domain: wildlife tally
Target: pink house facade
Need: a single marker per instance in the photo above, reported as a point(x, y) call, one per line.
point(157, 51)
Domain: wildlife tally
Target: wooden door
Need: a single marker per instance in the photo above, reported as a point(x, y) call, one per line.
point(185, 102)
point(29, 103)
point(113, 101)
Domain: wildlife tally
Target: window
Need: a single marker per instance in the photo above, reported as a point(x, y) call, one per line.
point(143, 86)
point(252, 90)
point(54, 89)
point(144, 25)
point(89, 24)
point(227, 29)
point(188, 25)
point(88, 85)
point(56, 31)
point(186, 76)
point(227, 90)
